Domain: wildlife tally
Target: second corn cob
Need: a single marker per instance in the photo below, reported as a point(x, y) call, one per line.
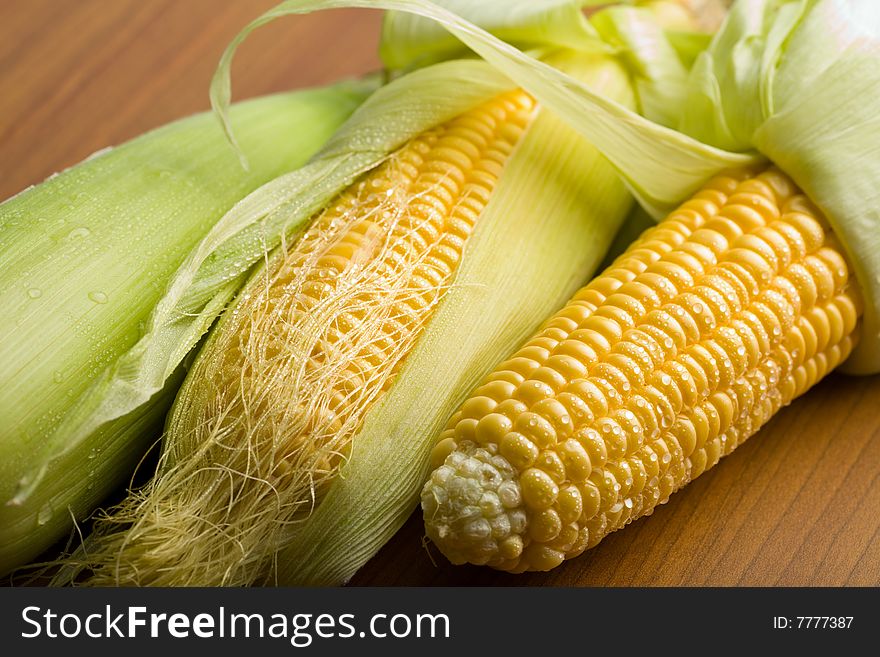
point(733, 306)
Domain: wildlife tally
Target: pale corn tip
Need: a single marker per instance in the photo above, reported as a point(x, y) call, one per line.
point(472, 506)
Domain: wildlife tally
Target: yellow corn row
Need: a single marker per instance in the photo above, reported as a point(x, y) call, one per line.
point(685, 346)
point(309, 346)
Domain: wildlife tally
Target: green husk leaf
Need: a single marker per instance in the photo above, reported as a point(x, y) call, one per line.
point(688, 45)
point(641, 38)
point(659, 75)
point(410, 40)
point(86, 256)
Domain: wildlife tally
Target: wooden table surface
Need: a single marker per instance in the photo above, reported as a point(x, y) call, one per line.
point(799, 504)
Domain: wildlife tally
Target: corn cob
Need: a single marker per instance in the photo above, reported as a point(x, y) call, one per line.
point(310, 345)
point(685, 346)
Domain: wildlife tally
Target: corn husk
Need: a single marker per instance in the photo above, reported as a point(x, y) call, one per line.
point(86, 258)
point(410, 40)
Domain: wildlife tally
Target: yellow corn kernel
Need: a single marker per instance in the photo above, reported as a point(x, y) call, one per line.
point(685, 346)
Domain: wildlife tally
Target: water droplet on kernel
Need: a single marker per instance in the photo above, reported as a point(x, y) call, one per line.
point(98, 297)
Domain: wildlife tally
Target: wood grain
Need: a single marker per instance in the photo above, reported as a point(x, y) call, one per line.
point(80, 75)
point(799, 504)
